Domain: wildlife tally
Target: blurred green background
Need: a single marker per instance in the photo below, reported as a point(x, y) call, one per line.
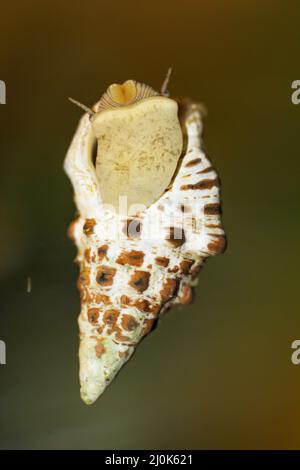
point(214, 375)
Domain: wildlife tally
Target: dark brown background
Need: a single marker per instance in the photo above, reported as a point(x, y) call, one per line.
point(217, 374)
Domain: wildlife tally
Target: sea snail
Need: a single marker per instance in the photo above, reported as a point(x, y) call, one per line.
point(148, 216)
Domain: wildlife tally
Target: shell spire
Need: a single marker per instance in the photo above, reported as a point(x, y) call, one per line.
point(137, 261)
point(127, 93)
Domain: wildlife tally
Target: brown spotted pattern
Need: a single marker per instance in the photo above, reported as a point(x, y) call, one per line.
point(102, 251)
point(162, 261)
point(139, 281)
point(133, 258)
point(88, 227)
point(202, 184)
point(105, 276)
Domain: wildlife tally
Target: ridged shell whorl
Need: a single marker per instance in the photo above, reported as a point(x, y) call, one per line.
point(128, 93)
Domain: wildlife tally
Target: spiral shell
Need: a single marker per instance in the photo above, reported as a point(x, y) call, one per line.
point(129, 92)
point(133, 268)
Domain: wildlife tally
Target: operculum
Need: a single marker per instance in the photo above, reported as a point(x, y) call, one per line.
point(139, 146)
